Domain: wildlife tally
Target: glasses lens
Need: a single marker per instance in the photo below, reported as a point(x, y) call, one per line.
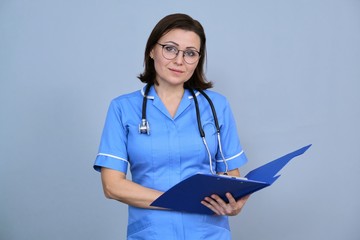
point(191, 56)
point(170, 52)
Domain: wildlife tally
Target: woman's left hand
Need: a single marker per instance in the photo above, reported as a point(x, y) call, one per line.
point(220, 207)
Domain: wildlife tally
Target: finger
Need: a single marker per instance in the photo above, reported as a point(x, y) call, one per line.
point(231, 199)
point(211, 207)
point(227, 208)
point(219, 200)
point(218, 204)
point(233, 205)
point(221, 206)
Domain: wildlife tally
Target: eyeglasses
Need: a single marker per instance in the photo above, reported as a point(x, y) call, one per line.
point(170, 52)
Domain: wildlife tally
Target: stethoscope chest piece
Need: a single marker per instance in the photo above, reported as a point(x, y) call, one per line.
point(144, 127)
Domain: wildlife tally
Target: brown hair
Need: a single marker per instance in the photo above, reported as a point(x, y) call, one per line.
point(170, 22)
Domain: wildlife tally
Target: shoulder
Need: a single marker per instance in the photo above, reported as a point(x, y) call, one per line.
point(126, 102)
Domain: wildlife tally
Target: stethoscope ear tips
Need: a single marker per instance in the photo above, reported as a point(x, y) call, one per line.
point(144, 127)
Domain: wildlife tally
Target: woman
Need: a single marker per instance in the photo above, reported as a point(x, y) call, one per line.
point(171, 150)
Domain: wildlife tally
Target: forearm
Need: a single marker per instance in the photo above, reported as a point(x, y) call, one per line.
point(117, 187)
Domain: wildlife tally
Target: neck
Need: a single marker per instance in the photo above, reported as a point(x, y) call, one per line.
point(171, 97)
point(169, 92)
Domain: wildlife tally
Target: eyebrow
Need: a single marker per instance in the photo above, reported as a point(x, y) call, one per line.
point(178, 45)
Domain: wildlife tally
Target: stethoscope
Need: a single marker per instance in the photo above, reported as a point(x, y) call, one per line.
point(144, 127)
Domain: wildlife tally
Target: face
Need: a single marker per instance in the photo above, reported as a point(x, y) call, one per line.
point(175, 72)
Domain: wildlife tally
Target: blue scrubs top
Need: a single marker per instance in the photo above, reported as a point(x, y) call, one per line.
point(171, 153)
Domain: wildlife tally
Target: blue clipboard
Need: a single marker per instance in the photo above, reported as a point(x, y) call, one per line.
point(187, 195)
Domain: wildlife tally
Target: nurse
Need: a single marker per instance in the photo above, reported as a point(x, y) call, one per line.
point(167, 147)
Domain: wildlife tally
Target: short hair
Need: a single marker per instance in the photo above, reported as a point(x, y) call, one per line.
point(165, 25)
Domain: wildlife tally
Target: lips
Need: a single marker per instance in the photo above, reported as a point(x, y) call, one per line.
point(176, 70)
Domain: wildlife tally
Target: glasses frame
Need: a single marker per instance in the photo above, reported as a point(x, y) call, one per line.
point(164, 45)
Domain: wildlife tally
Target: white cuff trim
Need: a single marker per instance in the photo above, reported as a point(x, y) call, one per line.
point(112, 156)
point(231, 158)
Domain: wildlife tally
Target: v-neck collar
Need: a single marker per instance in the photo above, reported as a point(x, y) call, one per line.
point(156, 101)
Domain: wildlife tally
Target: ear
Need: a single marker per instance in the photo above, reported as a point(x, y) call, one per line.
point(151, 54)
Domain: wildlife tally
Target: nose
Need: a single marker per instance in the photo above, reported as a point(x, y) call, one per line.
point(179, 59)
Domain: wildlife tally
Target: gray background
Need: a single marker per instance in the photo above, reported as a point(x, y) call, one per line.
point(289, 68)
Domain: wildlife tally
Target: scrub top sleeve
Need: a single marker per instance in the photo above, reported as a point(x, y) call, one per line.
point(230, 142)
point(112, 151)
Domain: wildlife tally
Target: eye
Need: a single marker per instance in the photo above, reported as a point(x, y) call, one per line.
point(190, 53)
point(170, 49)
